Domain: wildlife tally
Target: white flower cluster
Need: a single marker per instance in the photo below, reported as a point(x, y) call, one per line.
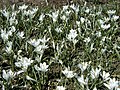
point(59, 48)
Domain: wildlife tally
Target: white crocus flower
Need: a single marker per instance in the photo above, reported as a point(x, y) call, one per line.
point(82, 80)
point(20, 35)
point(63, 17)
point(87, 40)
point(54, 15)
point(98, 34)
point(112, 84)
point(95, 73)
point(60, 88)
point(83, 66)
point(44, 40)
point(65, 7)
point(41, 17)
point(12, 20)
point(40, 49)
point(4, 35)
point(87, 10)
point(8, 48)
point(34, 10)
point(58, 30)
point(75, 8)
point(105, 26)
point(105, 76)
point(68, 73)
point(23, 62)
point(6, 13)
point(78, 23)
point(23, 7)
point(34, 42)
point(111, 11)
point(43, 67)
point(67, 13)
point(115, 18)
point(101, 21)
point(72, 35)
point(7, 75)
point(82, 20)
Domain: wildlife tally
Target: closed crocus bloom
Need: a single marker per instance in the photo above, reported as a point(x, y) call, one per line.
point(83, 66)
point(8, 74)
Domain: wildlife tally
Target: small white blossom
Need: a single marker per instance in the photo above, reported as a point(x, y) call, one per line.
point(82, 20)
point(23, 7)
point(41, 17)
point(98, 34)
point(95, 73)
point(23, 62)
point(6, 13)
point(44, 40)
point(105, 26)
point(12, 21)
point(40, 49)
point(87, 40)
point(78, 23)
point(63, 17)
point(4, 35)
point(67, 13)
point(75, 8)
point(58, 30)
point(82, 80)
point(112, 84)
point(87, 10)
point(115, 18)
point(68, 73)
point(65, 7)
point(60, 88)
point(54, 15)
point(20, 35)
point(43, 67)
point(34, 42)
point(7, 75)
point(111, 11)
point(8, 48)
point(101, 22)
point(105, 76)
point(72, 35)
point(83, 66)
